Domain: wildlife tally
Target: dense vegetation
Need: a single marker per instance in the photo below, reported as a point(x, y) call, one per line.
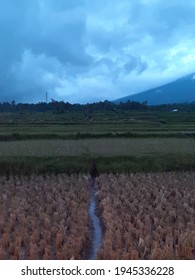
point(60, 107)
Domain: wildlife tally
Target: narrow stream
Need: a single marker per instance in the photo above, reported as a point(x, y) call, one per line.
point(97, 234)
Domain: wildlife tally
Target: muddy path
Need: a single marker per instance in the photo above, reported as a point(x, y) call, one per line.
point(96, 229)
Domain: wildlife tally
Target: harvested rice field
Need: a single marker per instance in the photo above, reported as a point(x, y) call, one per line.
point(142, 216)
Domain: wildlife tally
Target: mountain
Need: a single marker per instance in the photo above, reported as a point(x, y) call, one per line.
point(179, 91)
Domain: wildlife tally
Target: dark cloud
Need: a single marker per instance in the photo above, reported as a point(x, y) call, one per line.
point(135, 64)
point(164, 21)
point(39, 40)
point(83, 50)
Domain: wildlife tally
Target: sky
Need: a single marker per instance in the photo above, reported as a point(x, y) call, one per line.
point(81, 51)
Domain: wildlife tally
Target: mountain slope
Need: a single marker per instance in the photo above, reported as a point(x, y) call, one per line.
point(180, 91)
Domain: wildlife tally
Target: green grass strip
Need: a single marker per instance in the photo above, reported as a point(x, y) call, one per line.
point(131, 164)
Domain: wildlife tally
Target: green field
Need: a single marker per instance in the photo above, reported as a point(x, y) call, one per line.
point(123, 141)
point(98, 147)
point(128, 123)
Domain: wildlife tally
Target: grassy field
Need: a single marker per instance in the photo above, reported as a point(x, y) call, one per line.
point(119, 141)
point(71, 125)
point(98, 147)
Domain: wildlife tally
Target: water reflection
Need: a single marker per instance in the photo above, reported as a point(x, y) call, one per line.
point(97, 230)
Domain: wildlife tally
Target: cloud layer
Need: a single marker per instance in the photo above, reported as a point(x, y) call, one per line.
point(85, 51)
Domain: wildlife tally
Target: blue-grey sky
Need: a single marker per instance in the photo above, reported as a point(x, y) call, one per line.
point(88, 50)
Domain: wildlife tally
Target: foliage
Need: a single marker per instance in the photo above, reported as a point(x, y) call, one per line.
point(60, 107)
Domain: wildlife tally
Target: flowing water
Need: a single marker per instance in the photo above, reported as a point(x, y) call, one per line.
point(97, 234)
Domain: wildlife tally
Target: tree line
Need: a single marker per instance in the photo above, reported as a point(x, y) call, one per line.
point(60, 107)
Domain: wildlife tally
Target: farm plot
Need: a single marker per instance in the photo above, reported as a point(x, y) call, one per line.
point(147, 216)
point(44, 218)
point(98, 147)
point(144, 216)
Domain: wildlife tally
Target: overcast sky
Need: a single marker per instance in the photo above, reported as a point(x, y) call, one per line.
point(91, 50)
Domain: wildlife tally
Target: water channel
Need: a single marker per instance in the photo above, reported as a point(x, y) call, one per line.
point(97, 234)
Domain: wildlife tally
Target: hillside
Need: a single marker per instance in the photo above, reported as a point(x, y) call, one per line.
point(179, 91)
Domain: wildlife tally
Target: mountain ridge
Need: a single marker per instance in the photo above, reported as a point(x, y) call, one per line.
point(181, 90)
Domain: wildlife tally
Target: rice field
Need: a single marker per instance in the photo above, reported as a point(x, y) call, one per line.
point(143, 216)
point(98, 147)
point(44, 218)
point(147, 216)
